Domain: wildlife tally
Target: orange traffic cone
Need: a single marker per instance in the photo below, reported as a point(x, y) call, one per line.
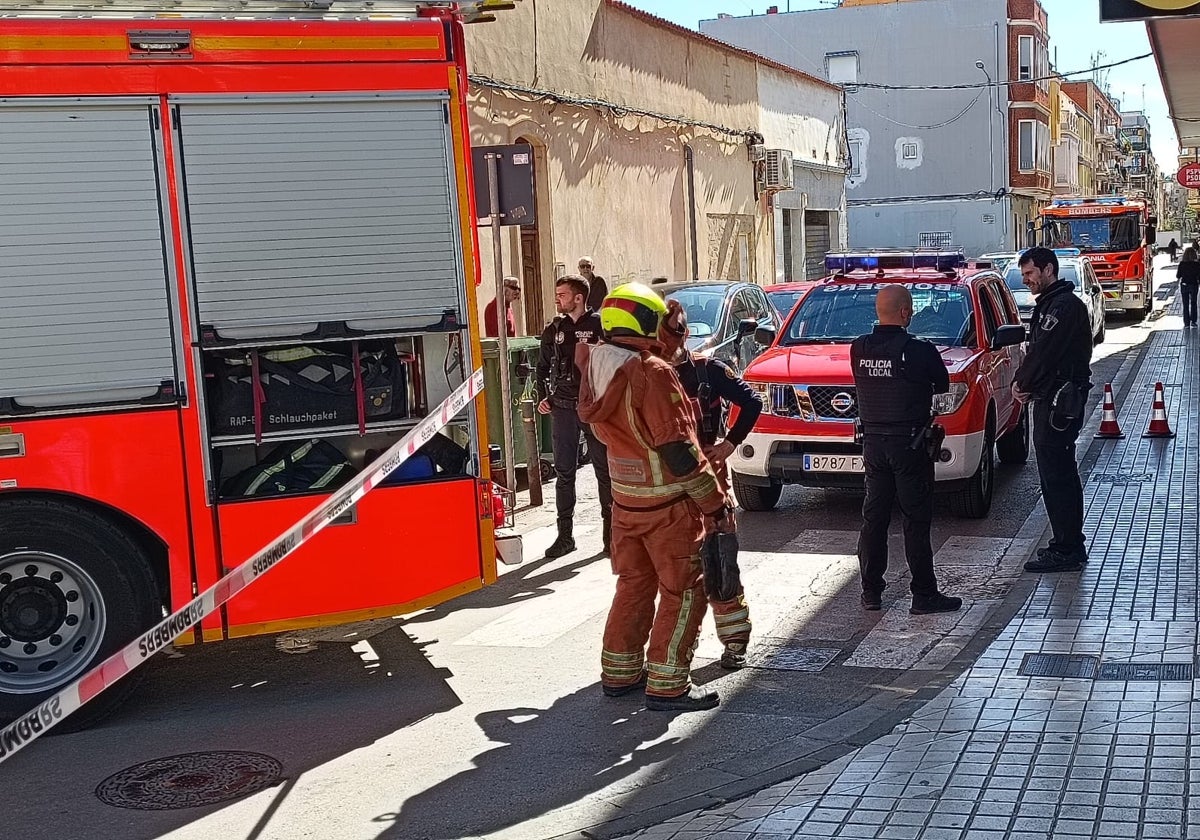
point(1159, 428)
point(1109, 428)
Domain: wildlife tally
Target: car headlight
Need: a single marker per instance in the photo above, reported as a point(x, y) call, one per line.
point(764, 393)
point(952, 401)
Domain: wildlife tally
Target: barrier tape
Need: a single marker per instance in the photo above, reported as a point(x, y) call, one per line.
point(35, 723)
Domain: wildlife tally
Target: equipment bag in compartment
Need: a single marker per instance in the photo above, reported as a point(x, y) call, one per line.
point(296, 467)
point(303, 387)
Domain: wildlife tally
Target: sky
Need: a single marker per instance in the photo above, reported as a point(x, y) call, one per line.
point(1075, 35)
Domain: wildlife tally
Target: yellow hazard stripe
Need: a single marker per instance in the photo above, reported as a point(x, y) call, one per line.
point(225, 43)
point(63, 43)
point(402, 43)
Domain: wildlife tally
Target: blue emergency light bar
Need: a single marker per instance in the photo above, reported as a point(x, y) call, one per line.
point(874, 260)
point(1068, 252)
point(1075, 202)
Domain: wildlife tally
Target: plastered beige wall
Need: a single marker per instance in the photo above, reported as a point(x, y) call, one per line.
point(613, 185)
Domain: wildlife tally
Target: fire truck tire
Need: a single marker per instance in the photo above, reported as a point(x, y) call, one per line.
point(1013, 448)
point(755, 498)
point(74, 587)
point(975, 500)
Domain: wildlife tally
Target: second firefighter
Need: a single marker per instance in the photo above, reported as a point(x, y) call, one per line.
point(714, 387)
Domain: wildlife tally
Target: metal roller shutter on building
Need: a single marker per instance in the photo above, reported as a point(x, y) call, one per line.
point(84, 312)
point(320, 211)
point(816, 243)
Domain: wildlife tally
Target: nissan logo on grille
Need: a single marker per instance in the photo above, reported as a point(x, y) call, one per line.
point(842, 402)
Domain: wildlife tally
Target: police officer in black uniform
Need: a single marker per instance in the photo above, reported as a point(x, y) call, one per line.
point(558, 396)
point(1056, 376)
point(896, 376)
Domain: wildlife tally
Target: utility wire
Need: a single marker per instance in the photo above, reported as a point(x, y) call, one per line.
point(942, 124)
point(612, 107)
point(976, 85)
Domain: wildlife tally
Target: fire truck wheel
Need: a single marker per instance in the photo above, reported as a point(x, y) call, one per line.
point(975, 500)
point(1013, 448)
point(74, 588)
point(754, 498)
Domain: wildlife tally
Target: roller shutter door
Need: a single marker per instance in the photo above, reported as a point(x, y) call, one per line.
point(311, 212)
point(84, 316)
point(816, 243)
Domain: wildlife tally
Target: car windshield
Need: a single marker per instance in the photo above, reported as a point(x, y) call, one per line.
point(1109, 233)
point(841, 312)
point(702, 305)
point(783, 301)
point(1066, 271)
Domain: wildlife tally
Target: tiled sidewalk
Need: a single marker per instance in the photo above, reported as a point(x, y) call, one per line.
point(999, 754)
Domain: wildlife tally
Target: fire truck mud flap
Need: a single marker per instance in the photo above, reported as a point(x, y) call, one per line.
point(510, 547)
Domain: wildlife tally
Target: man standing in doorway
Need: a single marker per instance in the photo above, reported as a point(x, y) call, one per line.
point(597, 288)
point(558, 392)
point(1056, 377)
point(491, 320)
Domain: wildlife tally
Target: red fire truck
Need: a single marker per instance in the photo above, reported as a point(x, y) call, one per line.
point(237, 261)
point(1116, 234)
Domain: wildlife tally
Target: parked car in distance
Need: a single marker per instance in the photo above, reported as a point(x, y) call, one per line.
point(723, 318)
point(1073, 267)
point(806, 432)
point(785, 296)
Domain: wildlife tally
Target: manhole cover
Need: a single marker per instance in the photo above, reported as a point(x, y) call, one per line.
point(1146, 671)
point(1068, 665)
point(189, 780)
point(779, 655)
point(1122, 478)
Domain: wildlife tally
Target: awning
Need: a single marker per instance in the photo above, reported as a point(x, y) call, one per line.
point(1174, 42)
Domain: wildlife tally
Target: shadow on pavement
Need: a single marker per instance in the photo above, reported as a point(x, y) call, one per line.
point(304, 710)
point(547, 758)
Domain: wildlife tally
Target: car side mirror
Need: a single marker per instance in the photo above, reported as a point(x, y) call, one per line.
point(765, 336)
point(746, 327)
point(1009, 335)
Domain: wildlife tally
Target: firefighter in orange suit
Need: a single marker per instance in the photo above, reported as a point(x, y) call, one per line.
point(665, 500)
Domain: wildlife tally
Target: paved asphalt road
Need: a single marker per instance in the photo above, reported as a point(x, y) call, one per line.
point(484, 717)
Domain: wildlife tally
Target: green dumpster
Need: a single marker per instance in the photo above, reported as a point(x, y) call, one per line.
point(520, 350)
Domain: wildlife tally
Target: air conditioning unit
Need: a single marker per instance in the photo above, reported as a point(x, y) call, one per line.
point(777, 170)
point(757, 152)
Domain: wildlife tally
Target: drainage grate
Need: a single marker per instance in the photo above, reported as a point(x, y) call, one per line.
point(778, 655)
point(189, 780)
point(1146, 671)
point(1068, 665)
point(1122, 478)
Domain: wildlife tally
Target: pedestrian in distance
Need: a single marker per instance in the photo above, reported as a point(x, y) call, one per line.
point(598, 289)
point(714, 387)
point(1056, 378)
point(666, 499)
point(1188, 274)
point(1172, 248)
point(896, 376)
point(558, 396)
point(510, 291)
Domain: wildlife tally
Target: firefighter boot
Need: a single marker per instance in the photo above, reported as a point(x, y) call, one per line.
point(565, 543)
point(734, 657)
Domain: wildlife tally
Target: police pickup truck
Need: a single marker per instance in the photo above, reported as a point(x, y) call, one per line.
point(806, 432)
